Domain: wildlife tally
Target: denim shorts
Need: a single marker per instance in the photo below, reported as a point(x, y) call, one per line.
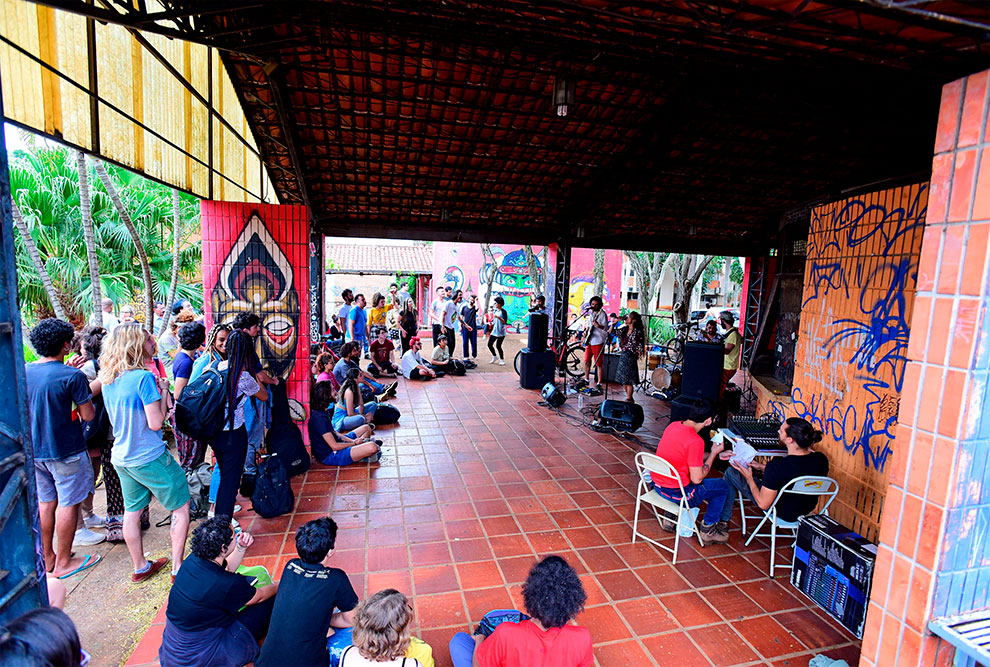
point(162, 478)
point(68, 480)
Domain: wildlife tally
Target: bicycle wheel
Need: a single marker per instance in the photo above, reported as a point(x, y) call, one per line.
point(515, 362)
point(574, 360)
point(674, 349)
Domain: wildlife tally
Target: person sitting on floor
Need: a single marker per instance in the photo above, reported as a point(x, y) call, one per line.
point(312, 598)
point(553, 595)
point(798, 436)
point(381, 633)
point(323, 367)
point(381, 355)
point(441, 360)
point(412, 365)
point(215, 616)
point(350, 411)
point(330, 447)
point(350, 355)
point(683, 448)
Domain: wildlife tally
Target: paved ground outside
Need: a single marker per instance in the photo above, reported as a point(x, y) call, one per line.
point(478, 482)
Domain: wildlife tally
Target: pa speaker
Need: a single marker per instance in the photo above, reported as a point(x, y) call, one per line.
point(535, 368)
point(702, 370)
point(622, 415)
point(539, 324)
point(680, 407)
point(610, 364)
point(553, 396)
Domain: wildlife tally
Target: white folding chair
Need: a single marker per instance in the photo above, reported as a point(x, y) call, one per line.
point(808, 485)
point(650, 463)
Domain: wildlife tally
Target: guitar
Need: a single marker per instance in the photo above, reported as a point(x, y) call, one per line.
point(592, 318)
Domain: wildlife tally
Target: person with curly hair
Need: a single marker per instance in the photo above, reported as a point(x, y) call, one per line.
point(215, 616)
point(381, 632)
point(191, 336)
point(312, 598)
point(216, 350)
point(59, 398)
point(553, 595)
point(329, 446)
point(137, 403)
point(323, 367)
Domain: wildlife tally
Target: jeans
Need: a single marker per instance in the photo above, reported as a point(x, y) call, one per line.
point(451, 339)
point(470, 337)
point(716, 491)
point(462, 649)
point(739, 483)
point(496, 341)
point(231, 450)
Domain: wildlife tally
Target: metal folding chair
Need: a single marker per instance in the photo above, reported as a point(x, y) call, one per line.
point(650, 463)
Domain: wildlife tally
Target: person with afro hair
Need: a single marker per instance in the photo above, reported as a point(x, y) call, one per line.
point(553, 596)
point(58, 397)
point(215, 616)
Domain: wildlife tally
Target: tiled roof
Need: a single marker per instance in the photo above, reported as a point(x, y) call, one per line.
point(380, 258)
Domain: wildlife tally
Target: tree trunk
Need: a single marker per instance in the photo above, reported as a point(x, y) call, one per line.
point(489, 258)
point(534, 270)
point(690, 268)
point(86, 213)
point(125, 217)
point(600, 271)
point(176, 243)
point(39, 266)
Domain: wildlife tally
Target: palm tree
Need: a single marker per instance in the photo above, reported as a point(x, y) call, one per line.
point(39, 265)
point(86, 213)
point(125, 217)
point(176, 246)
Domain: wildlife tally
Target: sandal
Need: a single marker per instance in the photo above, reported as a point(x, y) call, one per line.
point(89, 561)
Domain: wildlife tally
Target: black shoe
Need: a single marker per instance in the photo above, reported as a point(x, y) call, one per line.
point(247, 485)
point(390, 388)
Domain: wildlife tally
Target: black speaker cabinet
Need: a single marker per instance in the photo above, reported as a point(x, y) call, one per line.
point(535, 368)
point(681, 406)
point(539, 324)
point(702, 370)
point(621, 415)
point(610, 364)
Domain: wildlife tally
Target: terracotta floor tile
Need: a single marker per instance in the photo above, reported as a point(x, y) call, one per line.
point(491, 508)
point(571, 519)
point(386, 536)
point(535, 522)
point(350, 560)
point(690, 609)
point(621, 585)
point(662, 579)
point(457, 511)
point(602, 559)
point(700, 573)
point(731, 603)
point(429, 554)
point(465, 529)
point(767, 636)
point(646, 616)
point(381, 559)
point(722, 645)
point(581, 538)
point(469, 550)
point(621, 653)
point(438, 611)
point(439, 579)
point(770, 595)
point(594, 592)
point(484, 574)
point(675, 648)
point(604, 622)
point(640, 554)
point(427, 514)
point(484, 600)
point(737, 568)
point(399, 580)
point(501, 525)
point(516, 570)
point(267, 545)
point(550, 542)
point(147, 649)
point(506, 546)
point(418, 533)
point(808, 628)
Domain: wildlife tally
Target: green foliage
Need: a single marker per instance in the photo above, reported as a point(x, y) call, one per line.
point(736, 271)
point(29, 353)
point(409, 279)
point(44, 184)
point(713, 272)
point(661, 327)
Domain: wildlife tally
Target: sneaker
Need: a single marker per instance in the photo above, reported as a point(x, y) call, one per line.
point(667, 525)
point(501, 362)
point(494, 360)
point(379, 398)
point(391, 387)
point(152, 570)
point(713, 534)
point(84, 537)
point(95, 521)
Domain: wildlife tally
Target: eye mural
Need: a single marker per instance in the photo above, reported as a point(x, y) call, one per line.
point(257, 277)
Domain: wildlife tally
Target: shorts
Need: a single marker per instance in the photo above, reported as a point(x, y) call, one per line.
point(162, 478)
point(339, 457)
point(593, 351)
point(68, 480)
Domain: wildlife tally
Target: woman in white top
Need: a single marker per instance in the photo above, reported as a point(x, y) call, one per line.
point(381, 632)
point(231, 447)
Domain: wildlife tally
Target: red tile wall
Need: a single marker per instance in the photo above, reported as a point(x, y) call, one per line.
point(942, 390)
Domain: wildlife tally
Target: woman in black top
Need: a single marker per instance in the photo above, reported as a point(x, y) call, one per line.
point(408, 324)
point(631, 349)
point(215, 616)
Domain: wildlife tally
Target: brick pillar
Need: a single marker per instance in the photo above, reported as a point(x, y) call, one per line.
point(932, 558)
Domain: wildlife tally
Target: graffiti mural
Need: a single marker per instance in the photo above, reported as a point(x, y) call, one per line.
point(248, 269)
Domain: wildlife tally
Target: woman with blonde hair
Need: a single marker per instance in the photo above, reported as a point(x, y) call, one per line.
point(381, 632)
point(137, 403)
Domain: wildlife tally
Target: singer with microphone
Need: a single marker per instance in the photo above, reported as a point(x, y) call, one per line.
point(632, 336)
point(597, 335)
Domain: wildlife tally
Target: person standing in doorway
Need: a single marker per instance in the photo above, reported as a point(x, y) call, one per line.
point(357, 323)
point(732, 341)
point(348, 296)
point(597, 335)
point(437, 310)
point(499, 317)
point(468, 317)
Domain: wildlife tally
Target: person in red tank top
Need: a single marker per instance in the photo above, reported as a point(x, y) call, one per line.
point(553, 596)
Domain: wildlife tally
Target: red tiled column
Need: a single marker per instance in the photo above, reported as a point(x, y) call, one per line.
point(926, 565)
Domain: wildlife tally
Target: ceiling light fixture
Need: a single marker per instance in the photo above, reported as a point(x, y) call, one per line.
point(563, 95)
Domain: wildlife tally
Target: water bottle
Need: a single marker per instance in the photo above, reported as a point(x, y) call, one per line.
point(580, 401)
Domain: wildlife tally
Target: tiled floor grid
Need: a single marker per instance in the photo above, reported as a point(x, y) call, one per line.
point(478, 482)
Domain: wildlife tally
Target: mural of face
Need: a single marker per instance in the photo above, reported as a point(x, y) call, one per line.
point(453, 277)
point(513, 284)
point(256, 276)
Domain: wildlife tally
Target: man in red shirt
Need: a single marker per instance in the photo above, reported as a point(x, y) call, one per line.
point(683, 448)
point(381, 355)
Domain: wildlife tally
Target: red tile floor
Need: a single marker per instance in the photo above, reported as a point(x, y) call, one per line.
point(478, 481)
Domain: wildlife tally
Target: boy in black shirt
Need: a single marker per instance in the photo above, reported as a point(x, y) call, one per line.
point(309, 591)
point(798, 436)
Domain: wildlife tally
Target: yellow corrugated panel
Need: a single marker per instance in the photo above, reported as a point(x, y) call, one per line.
point(149, 119)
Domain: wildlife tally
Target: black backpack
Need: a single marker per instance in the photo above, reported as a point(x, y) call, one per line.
point(272, 492)
point(284, 437)
point(386, 414)
point(199, 412)
point(458, 367)
point(97, 431)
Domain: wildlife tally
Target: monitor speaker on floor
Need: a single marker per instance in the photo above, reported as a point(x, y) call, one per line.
point(621, 415)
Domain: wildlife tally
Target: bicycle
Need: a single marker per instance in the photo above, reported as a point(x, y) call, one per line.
point(674, 347)
point(568, 358)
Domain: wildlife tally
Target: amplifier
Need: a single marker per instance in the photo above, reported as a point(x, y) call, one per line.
point(621, 415)
point(834, 567)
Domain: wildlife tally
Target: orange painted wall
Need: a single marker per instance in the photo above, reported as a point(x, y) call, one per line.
point(859, 286)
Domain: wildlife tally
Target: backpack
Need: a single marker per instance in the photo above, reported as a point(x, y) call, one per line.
point(199, 412)
point(284, 437)
point(386, 414)
point(97, 431)
point(272, 492)
point(458, 367)
point(198, 480)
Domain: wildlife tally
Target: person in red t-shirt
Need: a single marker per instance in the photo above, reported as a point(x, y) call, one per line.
point(683, 448)
point(553, 595)
point(381, 356)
